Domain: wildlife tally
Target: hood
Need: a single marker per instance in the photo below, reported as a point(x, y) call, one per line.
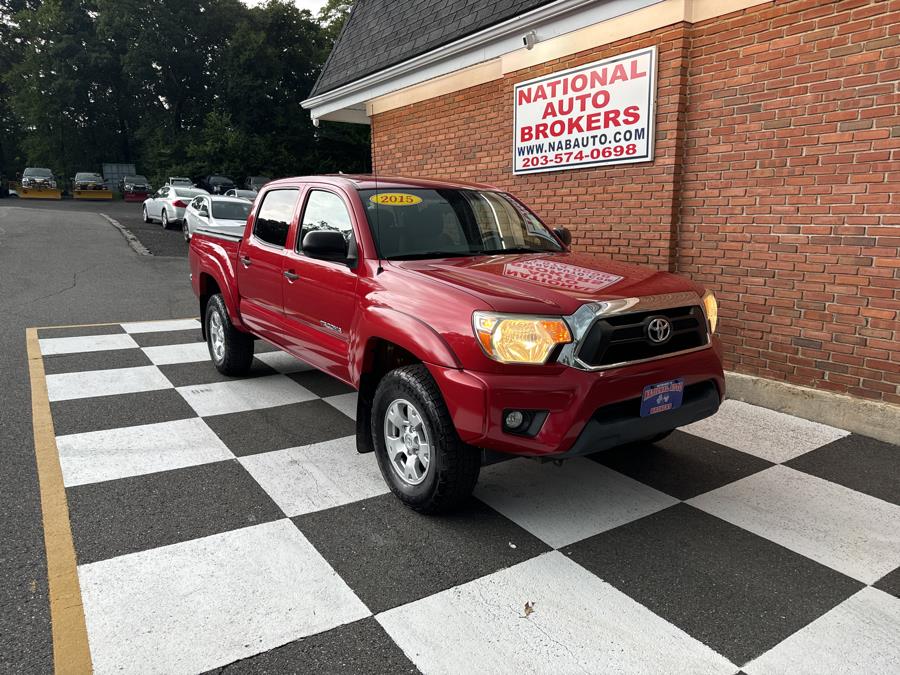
point(548, 283)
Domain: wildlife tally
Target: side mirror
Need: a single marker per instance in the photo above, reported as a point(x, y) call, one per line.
point(325, 245)
point(563, 234)
point(203, 213)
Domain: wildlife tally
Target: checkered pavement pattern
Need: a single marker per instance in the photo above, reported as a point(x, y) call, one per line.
point(230, 522)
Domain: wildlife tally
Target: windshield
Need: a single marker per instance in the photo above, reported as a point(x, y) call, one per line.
point(135, 179)
point(419, 223)
point(88, 176)
point(219, 179)
point(231, 210)
point(38, 173)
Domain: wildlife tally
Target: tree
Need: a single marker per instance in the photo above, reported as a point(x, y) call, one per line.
point(187, 86)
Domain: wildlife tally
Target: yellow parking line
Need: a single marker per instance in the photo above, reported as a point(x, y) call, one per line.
point(71, 653)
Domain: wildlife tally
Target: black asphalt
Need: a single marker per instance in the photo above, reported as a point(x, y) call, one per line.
point(160, 242)
point(61, 263)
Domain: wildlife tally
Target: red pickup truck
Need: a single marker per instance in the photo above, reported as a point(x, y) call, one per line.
point(469, 329)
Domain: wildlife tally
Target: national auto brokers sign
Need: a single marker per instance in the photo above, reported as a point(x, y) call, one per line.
point(598, 114)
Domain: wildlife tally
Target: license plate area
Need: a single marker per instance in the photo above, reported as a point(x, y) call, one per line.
point(662, 397)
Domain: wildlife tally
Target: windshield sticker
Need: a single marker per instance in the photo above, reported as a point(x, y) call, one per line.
point(560, 275)
point(395, 199)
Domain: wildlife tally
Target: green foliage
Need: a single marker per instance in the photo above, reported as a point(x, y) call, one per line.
point(175, 86)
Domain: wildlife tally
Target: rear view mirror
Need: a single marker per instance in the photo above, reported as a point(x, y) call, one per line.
point(563, 234)
point(325, 245)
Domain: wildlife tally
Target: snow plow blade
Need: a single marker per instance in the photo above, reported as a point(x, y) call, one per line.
point(93, 194)
point(38, 193)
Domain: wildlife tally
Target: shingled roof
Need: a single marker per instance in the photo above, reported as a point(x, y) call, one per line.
point(381, 33)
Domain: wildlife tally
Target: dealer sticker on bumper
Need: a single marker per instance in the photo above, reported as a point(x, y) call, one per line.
point(661, 397)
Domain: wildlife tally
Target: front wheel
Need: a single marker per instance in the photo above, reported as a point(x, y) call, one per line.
point(421, 457)
point(185, 230)
point(230, 349)
point(165, 219)
point(145, 215)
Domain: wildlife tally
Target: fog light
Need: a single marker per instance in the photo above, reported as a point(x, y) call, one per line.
point(514, 419)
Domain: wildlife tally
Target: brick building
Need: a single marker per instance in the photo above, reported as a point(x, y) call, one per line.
point(775, 170)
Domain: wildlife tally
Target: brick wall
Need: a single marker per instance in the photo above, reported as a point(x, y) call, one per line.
point(776, 181)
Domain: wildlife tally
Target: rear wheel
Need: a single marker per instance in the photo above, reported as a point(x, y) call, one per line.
point(165, 219)
point(230, 349)
point(421, 457)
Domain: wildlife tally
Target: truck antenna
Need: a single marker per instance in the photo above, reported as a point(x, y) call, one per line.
point(380, 268)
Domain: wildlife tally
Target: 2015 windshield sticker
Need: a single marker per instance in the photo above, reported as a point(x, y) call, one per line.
point(395, 199)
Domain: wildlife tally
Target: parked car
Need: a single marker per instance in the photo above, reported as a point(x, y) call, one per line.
point(256, 182)
point(86, 180)
point(470, 330)
point(249, 195)
point(180, 181)
point(168, 204)
point(38, 178)
point(226, 215)
point(216, 185)
point(134, 183)
point(135, 188)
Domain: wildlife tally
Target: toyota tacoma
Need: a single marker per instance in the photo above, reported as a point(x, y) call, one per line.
point(469, 329)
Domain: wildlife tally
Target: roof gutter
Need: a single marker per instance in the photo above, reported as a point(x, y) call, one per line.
point(467, 43)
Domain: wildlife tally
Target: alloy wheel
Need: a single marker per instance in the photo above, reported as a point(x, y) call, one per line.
point(407, 441)
point(217, 336)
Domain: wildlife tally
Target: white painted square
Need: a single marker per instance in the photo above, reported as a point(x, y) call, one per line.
point(765, 433)
point(283, 362)
point(161, 326)
point(88, 343)
point(580, 624)
point(849, 531)
point(861, 635)
point(132, 451)
point(568, 503)
point(190, 607)
point(316, 477)
point(89, 383)
point(346, 403)
point(220, 398)
point(184, 353)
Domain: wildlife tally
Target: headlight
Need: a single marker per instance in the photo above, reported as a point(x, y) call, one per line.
point(711, 307)
point(519, 339)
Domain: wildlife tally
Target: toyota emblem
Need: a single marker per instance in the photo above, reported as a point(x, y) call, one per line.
point(659, 330)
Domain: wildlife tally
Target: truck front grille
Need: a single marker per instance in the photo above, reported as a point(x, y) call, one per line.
point(623, 338)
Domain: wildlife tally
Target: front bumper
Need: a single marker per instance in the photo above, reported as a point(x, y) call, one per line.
point(588, 411)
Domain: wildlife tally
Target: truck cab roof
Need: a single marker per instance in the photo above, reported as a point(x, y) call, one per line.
point(373, 182)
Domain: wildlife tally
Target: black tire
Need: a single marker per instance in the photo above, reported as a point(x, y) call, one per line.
point(164, 219)
point(144, 215)
point(185, 231)
point(454, 466)
point(236, 354)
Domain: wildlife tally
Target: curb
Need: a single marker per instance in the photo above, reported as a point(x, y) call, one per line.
point(133, 241)
point(860, 416)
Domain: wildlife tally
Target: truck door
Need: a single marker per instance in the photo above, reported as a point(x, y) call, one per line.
point(260, 262)
point(320, 295)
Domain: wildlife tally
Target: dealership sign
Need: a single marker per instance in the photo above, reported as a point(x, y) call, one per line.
point(594, 115)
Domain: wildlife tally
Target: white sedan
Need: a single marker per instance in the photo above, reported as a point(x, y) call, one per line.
point(227, 215)
point(168, 204)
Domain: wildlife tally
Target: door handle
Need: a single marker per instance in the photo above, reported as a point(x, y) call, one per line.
point(290, 276)
point(245, 261)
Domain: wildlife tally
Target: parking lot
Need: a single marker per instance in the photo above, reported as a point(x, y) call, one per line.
point(217, 521)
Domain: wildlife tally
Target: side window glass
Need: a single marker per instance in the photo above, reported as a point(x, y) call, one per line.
point(274, 217)
point(325, 211)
